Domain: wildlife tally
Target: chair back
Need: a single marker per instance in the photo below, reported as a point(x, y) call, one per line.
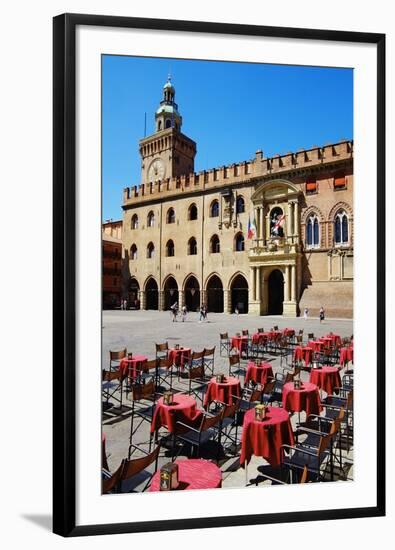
point(109, 376)
point(244, 332)
point(349, 400)
point(118, 355)
point(260, 330)
point(310, 335)
point(160, 348)
point(143, 391)
point(223, 336)
point(324, 442)
point(196, 372)
point(289, 377)
point(300, 332)
point(230, 410)
point(269, 386)
point(165, 363)
point(137, 465)
point(149, 365)
point(234, 360)
point(208, 351)
point(110, 483)
point(296, 370)
point(275, 327)
point(210, 421)
point(299, 339)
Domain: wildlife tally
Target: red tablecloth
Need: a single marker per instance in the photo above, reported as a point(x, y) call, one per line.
point(315, 345)
point(335, 339)
point(288, 332)
point(258, 374)
point(132, 365)
point(326, 341)
point(240, 343)
point(259, 338)
point(273, 335)
point(346, 355)
point(326, 378)
point(222, 391)
point(264, 438)
point(303, 354)
point(179, 356)
point(194, 473)
point(306, 399)
point(183, 409)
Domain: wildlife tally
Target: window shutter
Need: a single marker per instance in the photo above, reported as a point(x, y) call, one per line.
point(340, 181)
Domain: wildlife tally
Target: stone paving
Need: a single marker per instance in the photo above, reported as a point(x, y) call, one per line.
point(138, 331)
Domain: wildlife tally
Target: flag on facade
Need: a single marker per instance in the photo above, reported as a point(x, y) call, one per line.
point(251, 228)
point(279, 223)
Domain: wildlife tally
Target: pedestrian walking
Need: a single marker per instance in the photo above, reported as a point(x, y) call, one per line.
point(306, 313)
point(174, 310)
point(201, 314)
point(322, 314)
point(204, 312)
point(184, 312)
point(125, 304)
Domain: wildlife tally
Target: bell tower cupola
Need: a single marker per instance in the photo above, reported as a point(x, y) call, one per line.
point(167, 115)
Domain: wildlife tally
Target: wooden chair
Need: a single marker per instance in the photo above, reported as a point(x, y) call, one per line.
point(161, 350)
point(144, 397)
point(197, 437)
point(313, 459)
point(208, 360)
point(235, 368)
point(224, 343)
point(115, 358)
point(112, 387)
point(129, 470)
point(197, 383)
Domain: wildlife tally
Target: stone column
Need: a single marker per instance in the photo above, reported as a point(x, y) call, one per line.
point(262, 224)
point(289, 220)
point(286, 287)
point(142, 298)
point(161, 300)
point(258, 285)
point(203, 297)
point(227, 301)
point(252, 284)
point(257, 221)
point(293, 283)
point(296, 218)
point(181, 298)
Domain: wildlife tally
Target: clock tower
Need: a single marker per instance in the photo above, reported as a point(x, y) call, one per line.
point(168, 152)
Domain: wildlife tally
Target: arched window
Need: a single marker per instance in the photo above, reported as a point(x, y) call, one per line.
point(150, 250)
point(171, 216)
point(150, 219)
point(192, 212)
point(192, 246)
point(160, 125)
point(312, 231)
point(214, 209)
point(239, 242)
point(341, 228)
point(214, 244)
point(135, 221)
point(170, 248)
point(168, 123)
point(240, 205)
point(133, 252)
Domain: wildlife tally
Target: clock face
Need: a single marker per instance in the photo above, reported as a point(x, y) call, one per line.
point(156, 171)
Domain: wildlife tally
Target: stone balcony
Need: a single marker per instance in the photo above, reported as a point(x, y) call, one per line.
point(274, 247)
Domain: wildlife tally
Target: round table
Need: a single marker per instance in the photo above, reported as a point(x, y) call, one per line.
point(195, 473)
point(289, 332)
point(315, 345)
point(306, 399)
point(335, 339)
point(240, 343)
point(326, 341)
point(179, 356)
point(303, 354)
point(225, 391)
point(183, 409)
point(258, 373)
point(327, 378)
point(259, 338)
point(346, 355)
point(132, 365)
point(265, 437)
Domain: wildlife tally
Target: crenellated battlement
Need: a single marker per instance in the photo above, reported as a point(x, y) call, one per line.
point(239, 172)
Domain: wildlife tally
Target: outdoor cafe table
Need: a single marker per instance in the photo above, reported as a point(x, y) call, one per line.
point(195, 473)
point(303, 354)
point(288, 332)
point(307, 398)
point(258, 373)
point(132, 365)
point(346, 355)
point(224, 391)
point(335, 339)
point(259, 338)
point(265, 437)
point(240, 343)
point(315, 345)
point(183, 409)
point(326, 341)
point(179, 356)
point(327, 378)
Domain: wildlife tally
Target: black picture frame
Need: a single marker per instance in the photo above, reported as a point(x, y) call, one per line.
point(64, 272)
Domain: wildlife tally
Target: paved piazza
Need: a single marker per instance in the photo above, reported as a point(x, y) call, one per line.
point(138, 331)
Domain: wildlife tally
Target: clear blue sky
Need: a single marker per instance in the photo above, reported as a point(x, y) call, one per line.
point(229, 109)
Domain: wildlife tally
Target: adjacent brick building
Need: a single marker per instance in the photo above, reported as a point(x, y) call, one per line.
point(112, 263)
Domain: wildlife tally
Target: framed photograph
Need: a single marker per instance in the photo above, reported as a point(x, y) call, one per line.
point(219, 275)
